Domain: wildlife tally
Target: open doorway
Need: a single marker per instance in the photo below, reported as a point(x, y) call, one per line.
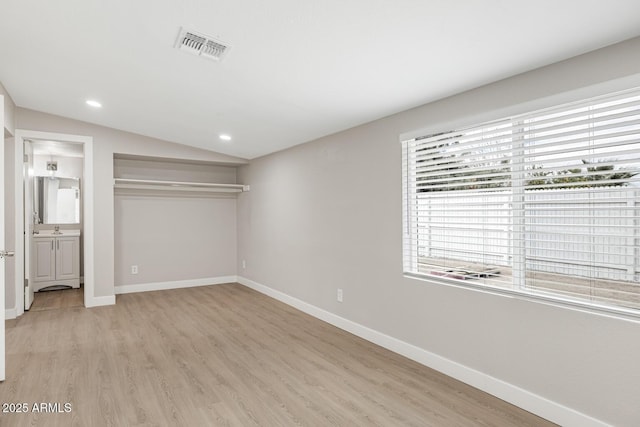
point(54, 199)
point(53, 186)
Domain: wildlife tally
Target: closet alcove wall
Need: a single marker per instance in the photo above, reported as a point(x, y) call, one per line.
point(169, 235)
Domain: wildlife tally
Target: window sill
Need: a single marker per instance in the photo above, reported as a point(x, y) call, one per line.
point(536, 296)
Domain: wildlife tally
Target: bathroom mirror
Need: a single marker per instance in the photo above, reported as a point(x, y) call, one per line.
point(56, 200)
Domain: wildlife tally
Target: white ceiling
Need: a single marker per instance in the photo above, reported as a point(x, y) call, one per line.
point(297, 69)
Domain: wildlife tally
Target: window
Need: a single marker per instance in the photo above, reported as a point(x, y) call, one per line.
point(545, 204)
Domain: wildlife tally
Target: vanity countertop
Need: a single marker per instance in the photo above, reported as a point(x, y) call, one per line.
point(61, 233)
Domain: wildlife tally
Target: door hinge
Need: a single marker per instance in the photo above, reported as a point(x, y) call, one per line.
point(26, 158)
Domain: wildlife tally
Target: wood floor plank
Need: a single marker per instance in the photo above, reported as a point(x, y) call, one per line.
point(54, 300)
point(223, 355)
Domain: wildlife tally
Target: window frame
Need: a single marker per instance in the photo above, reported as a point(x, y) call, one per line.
point(409, 186)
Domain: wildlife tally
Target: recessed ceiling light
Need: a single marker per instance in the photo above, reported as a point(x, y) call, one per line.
point(225, 137)
point(94, 104)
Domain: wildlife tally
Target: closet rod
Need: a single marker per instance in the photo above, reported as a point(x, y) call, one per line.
point(153, 182)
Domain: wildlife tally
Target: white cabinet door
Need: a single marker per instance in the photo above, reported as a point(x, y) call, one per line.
point(44, 259)
point(67, 258)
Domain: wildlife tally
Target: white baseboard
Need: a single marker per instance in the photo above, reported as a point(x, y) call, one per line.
point(100, 301)
point(524, 399)
point(161, 286)
point(10, 313)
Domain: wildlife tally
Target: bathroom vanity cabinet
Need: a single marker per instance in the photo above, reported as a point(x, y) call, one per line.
point(56, 259)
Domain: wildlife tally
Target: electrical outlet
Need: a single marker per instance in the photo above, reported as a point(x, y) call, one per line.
point(339, 295)
point(134, 269)
point(244, 264)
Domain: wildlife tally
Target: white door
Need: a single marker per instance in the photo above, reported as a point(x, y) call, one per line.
point(2, 304)
point(27, 180)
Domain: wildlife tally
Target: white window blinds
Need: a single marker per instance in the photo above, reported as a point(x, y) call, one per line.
point(546, 204)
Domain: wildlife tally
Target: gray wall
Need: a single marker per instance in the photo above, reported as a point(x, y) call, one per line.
point(136, 168)
point(174, 238)
point(9, 112)
point(328, 215)
point(106, 142)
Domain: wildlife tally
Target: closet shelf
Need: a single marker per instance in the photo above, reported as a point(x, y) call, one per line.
point(152, 184)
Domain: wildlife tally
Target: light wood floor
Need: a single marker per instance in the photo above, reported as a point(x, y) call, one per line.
point(54, 300)
point(223, 355)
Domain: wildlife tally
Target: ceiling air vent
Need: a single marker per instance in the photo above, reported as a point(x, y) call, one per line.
point(201, 45)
